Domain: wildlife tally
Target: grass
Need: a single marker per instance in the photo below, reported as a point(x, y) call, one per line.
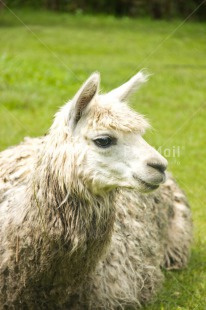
point(43, 64)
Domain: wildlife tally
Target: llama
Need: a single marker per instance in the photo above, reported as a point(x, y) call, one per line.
point(77, 227)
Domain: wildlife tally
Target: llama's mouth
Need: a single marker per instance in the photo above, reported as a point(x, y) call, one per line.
point(147, 186)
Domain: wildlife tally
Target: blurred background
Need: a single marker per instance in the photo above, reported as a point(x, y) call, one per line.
point(49, 47)
point(156, 9)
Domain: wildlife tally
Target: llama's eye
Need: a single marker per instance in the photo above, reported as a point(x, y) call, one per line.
point(105, 141)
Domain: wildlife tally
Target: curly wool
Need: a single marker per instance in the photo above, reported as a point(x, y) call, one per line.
point(150, 232)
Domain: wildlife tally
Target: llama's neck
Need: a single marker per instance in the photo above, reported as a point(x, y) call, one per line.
point(81, 221)
point(79, 217)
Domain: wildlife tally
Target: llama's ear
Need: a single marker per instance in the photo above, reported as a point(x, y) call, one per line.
point(124, 91)
point(84, 96)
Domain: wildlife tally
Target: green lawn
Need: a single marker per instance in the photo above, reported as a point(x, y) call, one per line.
point(43, 63)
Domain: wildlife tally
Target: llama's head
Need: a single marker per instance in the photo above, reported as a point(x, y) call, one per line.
point(105, 137)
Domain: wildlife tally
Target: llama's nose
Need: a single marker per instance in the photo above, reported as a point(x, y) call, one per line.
point(160, 166)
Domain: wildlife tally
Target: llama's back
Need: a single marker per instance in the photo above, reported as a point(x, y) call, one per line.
point(16, 164)
point(16, 161)
point(15, 168)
